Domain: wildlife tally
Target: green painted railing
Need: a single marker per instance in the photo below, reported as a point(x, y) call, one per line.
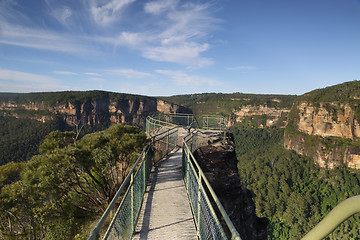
point(163, 133)
point(179, 119)
point(155, 126)
point(334, 218)
point(213, 122)
point(132, 190)
point(212, 221)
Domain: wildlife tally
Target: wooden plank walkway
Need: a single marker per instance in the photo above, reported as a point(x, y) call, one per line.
point(166, 212)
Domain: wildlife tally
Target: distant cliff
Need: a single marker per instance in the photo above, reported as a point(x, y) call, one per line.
point(274, 115)
point(259, 110)
point(324, 124)
point(91, 107)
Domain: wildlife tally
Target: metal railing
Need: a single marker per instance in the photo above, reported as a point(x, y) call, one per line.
point(211, 219)
point(334, 218)
point(155, 126)
point(179, 119)
point(210, 122)
point(163, 139)
point(213, 122)
point(133, 188)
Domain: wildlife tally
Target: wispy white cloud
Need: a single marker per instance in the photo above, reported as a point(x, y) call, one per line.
point(130, 73)
point(93, 74)
point(16, 81)
point(159, 6)
point(181, 40)
point(187, 54)
point(42, 39)
point(66, 73)
point(9, 12)
point(183, 79)
point(96, 79)
point(63, 15)
point(174, 31)
point(236, 68)
point(108, 11)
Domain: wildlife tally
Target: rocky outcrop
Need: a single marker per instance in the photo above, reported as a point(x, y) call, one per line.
point(273, 114)
point(329, 132)
point(328, 120)
point(219, 164)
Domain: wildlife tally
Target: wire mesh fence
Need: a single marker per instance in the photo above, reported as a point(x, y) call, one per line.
point(133, 188)
point(212, 222)
point(214, 122)
point(163, 139)
point(155, 126)
point(179, 119)
point(163, 143)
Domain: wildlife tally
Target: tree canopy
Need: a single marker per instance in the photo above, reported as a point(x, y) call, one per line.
point(57, 193)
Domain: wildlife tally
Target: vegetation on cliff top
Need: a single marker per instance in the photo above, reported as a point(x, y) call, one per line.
point(221, 103)
point(345, 92)
point(56, 98)
point(58, 193)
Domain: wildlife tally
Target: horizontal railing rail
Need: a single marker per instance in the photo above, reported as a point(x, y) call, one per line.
point(214, 122)
point(334, 218)
point(180, 119)
point(131, 191)
point(211, 219)
point(155, 126)
point(95, 234)
point(163, 139)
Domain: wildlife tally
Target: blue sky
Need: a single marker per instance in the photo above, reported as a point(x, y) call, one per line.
point(170, 47)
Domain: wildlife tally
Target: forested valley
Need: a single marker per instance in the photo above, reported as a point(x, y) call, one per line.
point(20, 137)
point(62, 190)
point(290, 190)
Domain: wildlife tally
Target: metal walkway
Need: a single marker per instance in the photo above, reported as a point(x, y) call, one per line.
point(166, 212)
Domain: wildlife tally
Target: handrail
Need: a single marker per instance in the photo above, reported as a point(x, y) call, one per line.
point(190, 160)
point(334, 218)
point(152, 124)
point(219, 125)
point(95, 232)
point(179, 119)
point(142, 172)
point(128, 183)
point(162, 123)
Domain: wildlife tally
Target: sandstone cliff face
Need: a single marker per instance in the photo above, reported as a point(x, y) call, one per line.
point(337, 131)
point(319, 121)
point(250, 110)
point(97, 111)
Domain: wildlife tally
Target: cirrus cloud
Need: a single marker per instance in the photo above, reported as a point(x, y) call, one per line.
point(106, 12)
point(17, 81)
point(130, 73)
point(182, 79)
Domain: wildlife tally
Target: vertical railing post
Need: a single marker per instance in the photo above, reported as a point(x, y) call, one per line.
point(132, 201)
point(196, 137)
point(192, 139)
point(199, 206)
point(187, 167)
point(144, 171)
point(167, 143)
